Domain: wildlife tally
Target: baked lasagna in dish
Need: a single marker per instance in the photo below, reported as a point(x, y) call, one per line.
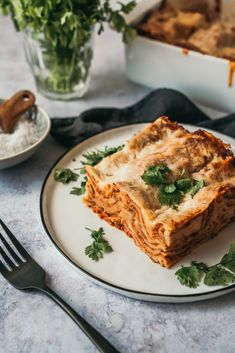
point(197, 25)
point(169, 189)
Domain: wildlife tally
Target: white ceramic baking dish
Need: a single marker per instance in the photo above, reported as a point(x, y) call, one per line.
point(203, 78)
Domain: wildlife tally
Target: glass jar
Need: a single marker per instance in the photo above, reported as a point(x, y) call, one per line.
point(60, 72)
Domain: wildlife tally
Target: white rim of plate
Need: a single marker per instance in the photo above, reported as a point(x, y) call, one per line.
point(128, 292)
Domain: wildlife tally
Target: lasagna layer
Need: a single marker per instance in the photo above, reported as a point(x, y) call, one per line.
point(117, 193)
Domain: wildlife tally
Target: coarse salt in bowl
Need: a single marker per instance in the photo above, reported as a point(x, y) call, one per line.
point(24, 140)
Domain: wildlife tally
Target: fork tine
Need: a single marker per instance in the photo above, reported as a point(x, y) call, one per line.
point(10, 250)
point(6, 258)
point(3, 269)
point(18, 246)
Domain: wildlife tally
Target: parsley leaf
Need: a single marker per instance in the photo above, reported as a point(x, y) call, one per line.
point(82, 170)
point(99, 246)
point(94, 157)
point(91, 158)
point(96, 234)
point(228, 260)
point(127, 8)
point(65, 175)
point(81, 190)
point(218, 276)
point(221, 274)
point(155, 174)
point(198, 184)
point(189, 185)
point(188, 276)
point(170, 188)
point(171, 199)
point(200, 266)
point(184, 184)
point(170, 194)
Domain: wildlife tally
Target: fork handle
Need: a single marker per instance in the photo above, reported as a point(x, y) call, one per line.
point(97, 339)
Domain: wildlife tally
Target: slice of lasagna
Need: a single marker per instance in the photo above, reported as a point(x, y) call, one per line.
point(118, 189)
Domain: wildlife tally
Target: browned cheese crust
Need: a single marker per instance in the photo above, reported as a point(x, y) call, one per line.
point(117, 193)
point(195, 25)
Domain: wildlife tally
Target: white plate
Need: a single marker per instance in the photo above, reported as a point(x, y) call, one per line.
point(126, 270)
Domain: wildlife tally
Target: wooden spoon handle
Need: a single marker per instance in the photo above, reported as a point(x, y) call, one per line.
point(13, 108)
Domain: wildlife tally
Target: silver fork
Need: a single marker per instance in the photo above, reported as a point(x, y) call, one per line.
point(21, 271)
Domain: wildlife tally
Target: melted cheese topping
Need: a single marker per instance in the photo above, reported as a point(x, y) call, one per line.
point(199, 154)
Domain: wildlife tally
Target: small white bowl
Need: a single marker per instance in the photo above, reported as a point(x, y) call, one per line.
point(26, 153)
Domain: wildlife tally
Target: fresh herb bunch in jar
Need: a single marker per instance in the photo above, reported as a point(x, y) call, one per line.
point(58, 40)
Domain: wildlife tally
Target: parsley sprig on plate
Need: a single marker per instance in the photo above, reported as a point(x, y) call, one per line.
point(81, 190)
point(65, 176)
point(220, 274)
point(94, 157)
point(170, 193)
point(99, 246)
point(91, 158)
